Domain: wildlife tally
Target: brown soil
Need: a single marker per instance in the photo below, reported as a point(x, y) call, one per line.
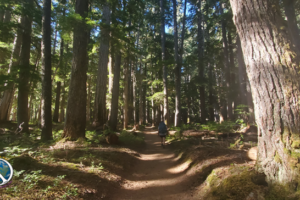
point(158, 174)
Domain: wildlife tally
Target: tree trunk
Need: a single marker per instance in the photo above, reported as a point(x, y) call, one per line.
point(62, 103)
point(46, 120)
point(113, 121)
point(8, 94)
point(76, 108)
point(58, 84)
point(141, 103)
point(163, 55)
point(272, 68)
point(110, 79)
point(57, 98)
point(211, 93)
point(177, 69)
point(144, 85)
point(100, 116)
point(24, 73)
point(200, 64)
point(126, 94)
point(88, 103)
point(289, 7)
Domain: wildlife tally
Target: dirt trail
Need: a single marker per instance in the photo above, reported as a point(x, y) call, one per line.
point(158, 174)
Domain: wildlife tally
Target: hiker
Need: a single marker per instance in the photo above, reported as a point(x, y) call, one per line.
point(162, 132)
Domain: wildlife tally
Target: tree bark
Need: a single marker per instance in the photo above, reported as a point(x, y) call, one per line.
point(46, 120)
point(126, 94)
point(141, 103)
point(272, 69)
point(58, 84)
point(88, 103)
point(289, 7)
point(57, 98)
point(163, 56)
point(177, 69)
point(113, 121)
point(62, 103)
point(200, 63)
point(100, 116)
point(24, 73)
point(8, 94)
point(76, 108)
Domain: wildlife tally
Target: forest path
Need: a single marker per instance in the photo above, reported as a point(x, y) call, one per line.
point(158, 175)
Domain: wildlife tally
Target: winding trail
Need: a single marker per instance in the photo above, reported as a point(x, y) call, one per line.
point(158, 175)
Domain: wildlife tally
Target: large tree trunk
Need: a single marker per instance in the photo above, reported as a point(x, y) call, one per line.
point(272, 69)
point(22, 112)
point(289, 7)
point(100, 116)
point(46, 120)
point(8, 94)
point(177, 69)
point(76, 108)
point(113, 121)
point(163, 55)
point(200, 63)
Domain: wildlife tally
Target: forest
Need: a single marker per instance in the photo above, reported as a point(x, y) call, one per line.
point(85, 83)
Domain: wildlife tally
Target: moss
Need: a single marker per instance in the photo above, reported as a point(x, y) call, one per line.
point(295, 154)
point(282, 192)
point(178, 134)
point(212, 179)
point(277, 158)
point(287, 152)
point(296, 144)
point(234, 187)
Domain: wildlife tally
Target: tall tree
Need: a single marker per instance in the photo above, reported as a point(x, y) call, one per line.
point(100, 116)
point(113, 121)
point(163, 59)
point(24, 73)
point(201, 62)
point(177, 70)
point(8, 95)
point(76, 107)
point(46, 120)
point(272, 68)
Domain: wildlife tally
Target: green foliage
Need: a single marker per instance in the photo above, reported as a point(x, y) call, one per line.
point(226, 126)
point(31, 179)
point(128, 139)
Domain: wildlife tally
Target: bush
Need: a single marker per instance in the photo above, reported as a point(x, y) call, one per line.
point(127, 138)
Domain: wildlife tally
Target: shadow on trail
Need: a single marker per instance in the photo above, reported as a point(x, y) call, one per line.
point(161, 174)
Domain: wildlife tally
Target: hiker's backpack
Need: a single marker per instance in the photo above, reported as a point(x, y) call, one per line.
point(162, 128)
